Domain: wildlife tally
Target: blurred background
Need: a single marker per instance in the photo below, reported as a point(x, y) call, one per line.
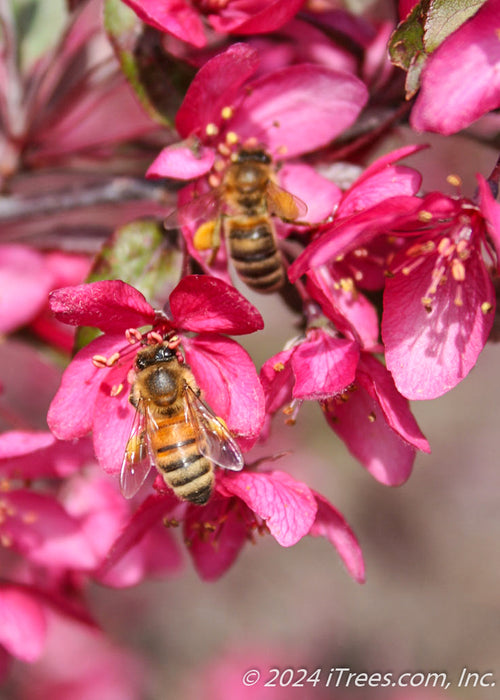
point(430, 602)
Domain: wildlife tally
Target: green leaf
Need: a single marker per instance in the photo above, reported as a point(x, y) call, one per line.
point(423, 31)
point(159, 80)
point(446, 16)
point(142, 254)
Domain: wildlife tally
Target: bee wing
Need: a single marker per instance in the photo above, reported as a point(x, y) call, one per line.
point(138, 458)
point(213, 438)
point(284, 204)
point(202, 208)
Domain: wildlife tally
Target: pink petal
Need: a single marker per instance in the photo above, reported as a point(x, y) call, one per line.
point(229, 382)
point(23, 626)
point(391, 181)
point(287, 506)
point(243, 17)
point(214, 87)
point(43, 531)
point(173, 16)
point(290, 111)
point(361, 424)
point(72, 409)
point(215, 536)
point(490, 209)
point(387, 160)
point(351, 312)
point(278, 380)
point(323, 366)
point(330, 523)
point(149, 513)
point(182, 162)
point(454, 93)
point(320, 195)
point(31, 455)
point(428, 353)
point(24, 286)
point(378, 382)
point(352, 232)
point(113, 418)
point(111, 305)
point(201, 303)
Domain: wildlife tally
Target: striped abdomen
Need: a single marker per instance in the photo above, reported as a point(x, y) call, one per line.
point(253, 250)
point(188, 473)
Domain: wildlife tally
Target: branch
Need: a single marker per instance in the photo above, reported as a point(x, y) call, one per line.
point(119, 190)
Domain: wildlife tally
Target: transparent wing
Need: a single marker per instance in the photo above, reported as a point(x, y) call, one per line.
point(284, 204)
point(202, 208)
point(138, 458)
point(213, 438)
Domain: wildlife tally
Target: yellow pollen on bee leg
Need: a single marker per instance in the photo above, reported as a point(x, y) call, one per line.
point(211, 129)
point(486, 307)
point(204, 236)
point(454, 180)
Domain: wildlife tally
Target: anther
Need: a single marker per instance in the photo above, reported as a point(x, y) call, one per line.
point(211, 129)
point(133, 336)
point(486, 307)
point(232, 138)
point(227, 112)
point(424, 216)
point(113, 359)
point(454, 180)
point(99, 361)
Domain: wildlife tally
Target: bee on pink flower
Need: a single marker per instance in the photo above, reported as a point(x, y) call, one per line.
point(95, 389)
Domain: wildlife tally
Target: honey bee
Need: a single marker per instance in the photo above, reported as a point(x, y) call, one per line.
point(245, 202)
point(174, 430)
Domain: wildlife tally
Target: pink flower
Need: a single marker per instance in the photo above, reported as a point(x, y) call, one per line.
point(26, 278)
point(23, 624)
point(184, 20)
point(370, 207)
point(95, 387)
point(286, 112)
point(439, 300)
point(79, 661)
point(454, 93)
point(245, 504)
point(358, 398)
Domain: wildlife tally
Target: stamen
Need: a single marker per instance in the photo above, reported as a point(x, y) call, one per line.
point(458, 270)
point(99, 361)
point(113, 359)
point(292, 411)
point(116, 390)
point(227, 112)
point(154, 337)
point(486, 307)
point(424, 216)
point(372, 417)
point(133, 335)
point(214, 180)
point(211, 129)
point(454, 180)
point(279, 367)
point(232, 138)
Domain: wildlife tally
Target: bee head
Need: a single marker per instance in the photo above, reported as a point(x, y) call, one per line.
point(153, 355)
point(246, 155)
